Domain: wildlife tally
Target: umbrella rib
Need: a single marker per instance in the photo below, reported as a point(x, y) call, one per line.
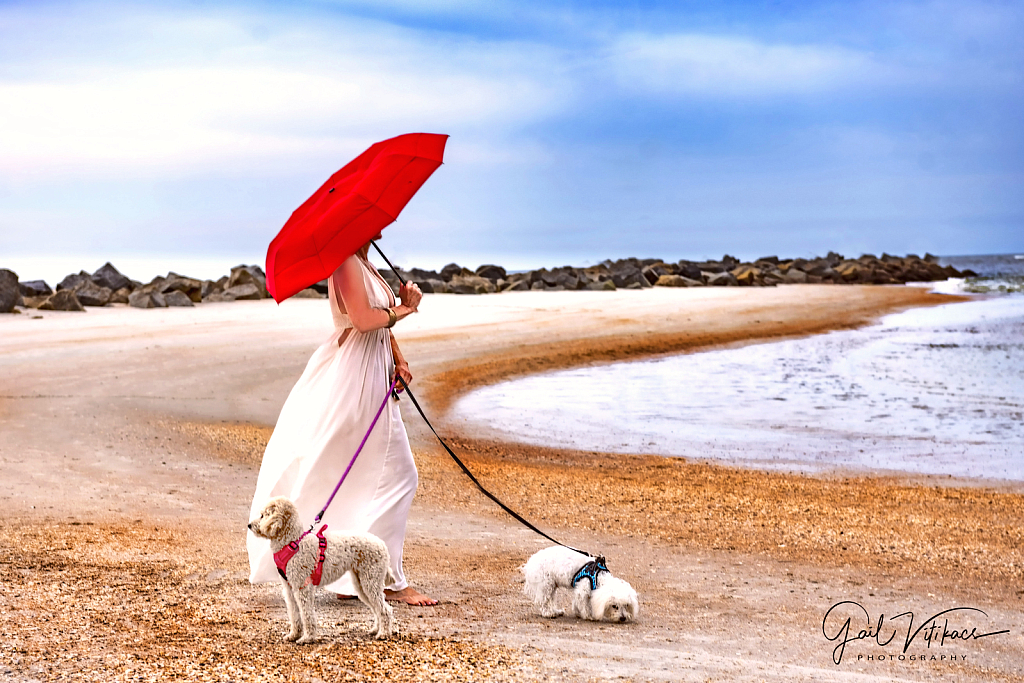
point(372, 205)
point(395, 177)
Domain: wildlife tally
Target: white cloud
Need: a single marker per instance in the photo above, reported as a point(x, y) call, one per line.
point(732, 66)
point(228, 100)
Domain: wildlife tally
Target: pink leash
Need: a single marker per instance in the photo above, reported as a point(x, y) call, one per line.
point(376, 417)
point(286, 553)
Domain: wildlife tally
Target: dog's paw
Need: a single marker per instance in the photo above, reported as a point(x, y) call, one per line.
point(381, 633)
point(305, 640)
point(292, 636)
point(552, 613)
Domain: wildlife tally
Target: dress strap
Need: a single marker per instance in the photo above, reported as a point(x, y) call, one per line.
point(341, 319)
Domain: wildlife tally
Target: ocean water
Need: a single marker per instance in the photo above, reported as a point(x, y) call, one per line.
point(936, 391)
point(997, 274)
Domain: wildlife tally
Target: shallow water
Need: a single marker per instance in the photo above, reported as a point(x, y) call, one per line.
point(929, 391)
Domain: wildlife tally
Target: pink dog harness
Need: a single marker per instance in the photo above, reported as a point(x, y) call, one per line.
point(285, 554)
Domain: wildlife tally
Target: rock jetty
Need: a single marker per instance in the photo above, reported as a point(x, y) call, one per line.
point(633, 273)
point(109, 286)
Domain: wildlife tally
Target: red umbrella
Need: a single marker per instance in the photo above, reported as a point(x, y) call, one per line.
point(349, 210)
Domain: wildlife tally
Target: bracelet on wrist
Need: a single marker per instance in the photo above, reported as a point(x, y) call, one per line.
point(392, 317)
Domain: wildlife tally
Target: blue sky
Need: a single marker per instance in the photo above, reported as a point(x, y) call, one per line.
point(579, 131)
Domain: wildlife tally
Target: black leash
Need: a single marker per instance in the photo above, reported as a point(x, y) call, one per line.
point(515, 515)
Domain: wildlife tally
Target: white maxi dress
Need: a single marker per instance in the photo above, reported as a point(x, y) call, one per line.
point(321, 424)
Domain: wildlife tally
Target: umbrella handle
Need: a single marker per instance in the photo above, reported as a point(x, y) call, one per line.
point(390, 264)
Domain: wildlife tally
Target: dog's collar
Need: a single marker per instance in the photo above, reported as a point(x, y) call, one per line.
point(285, 554)
point(590, 571)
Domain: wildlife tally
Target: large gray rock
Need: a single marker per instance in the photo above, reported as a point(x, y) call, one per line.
point(677, 281)
point(34, 301)
point(726, 279)
point(564, 277)
point(517, 286)
point(817, 267)
point(689, 270)
point(34, 288)
point(628, 275)
point(110, 277)
point(710, 267)
point(416, 275)
point(211, 287)
point(491, 272)
point(9, 291)
point(453, 269)
point(570, 281)
point(438, 286)
point(74, 281)
point(91, 294)
point(141, 298)
point(188, 286)
point(601, 286)
point(245, 292)
point(541, 275)
point(655, 271)
point(177, 298)
point(120, 296)
point(154, 285)
point(245, 275)
point(471, 284)
point(796, 276)
point(748, 275)
point(62, 300)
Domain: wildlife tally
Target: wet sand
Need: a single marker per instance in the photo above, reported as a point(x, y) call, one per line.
point(130, 446)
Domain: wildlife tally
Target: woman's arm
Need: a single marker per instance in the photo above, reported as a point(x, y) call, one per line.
point(357, 304)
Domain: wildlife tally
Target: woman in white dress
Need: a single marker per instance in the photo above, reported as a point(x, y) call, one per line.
point(326, 416)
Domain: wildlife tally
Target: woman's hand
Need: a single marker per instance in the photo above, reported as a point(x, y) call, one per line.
point(410, 295)
point(402, 370)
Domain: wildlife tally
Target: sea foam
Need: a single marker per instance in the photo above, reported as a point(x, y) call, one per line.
point(929, 391)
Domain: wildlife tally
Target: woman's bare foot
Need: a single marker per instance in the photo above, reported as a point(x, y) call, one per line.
point(409, 596)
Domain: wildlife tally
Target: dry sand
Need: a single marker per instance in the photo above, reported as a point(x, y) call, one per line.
point(131, 440)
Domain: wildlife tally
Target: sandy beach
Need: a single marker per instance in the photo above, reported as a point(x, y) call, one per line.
point(131, 440)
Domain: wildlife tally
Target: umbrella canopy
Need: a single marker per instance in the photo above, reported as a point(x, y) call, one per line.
point(349, 210)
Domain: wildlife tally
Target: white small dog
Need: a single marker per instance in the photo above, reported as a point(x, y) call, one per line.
point(304, 556)
point(597, 595)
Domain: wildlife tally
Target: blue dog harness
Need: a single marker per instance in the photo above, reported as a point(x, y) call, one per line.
point(590, 571)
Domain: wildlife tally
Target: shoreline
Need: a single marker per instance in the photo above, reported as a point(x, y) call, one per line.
point(533, 357)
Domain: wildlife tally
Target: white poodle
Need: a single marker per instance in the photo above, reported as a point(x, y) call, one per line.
point(597, 595)
point(364, 555)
